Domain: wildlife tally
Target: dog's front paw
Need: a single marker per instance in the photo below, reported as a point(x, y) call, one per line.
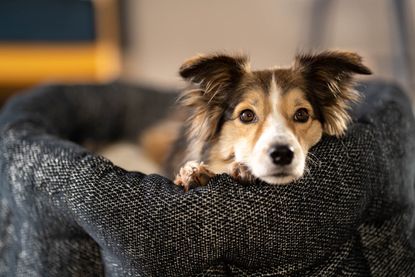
point(241, 173)
point(193, 174)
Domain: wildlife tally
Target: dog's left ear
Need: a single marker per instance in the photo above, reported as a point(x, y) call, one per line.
point(329, 81)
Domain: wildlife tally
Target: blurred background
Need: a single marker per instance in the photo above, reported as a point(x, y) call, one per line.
point(145, 41)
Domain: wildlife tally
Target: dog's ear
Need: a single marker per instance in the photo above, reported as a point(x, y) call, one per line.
point(212, 78)
point(329, 82)
point(213, 71)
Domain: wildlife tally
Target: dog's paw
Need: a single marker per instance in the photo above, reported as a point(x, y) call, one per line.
point(193, 174)
point(241, 173)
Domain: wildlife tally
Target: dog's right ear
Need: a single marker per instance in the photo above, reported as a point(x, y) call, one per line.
point(212, 78)
point(213, 72)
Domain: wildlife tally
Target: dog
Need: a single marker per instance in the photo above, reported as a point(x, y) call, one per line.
point(259, 124)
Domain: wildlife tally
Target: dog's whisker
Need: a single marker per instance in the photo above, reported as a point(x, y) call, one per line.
point(309, 174)
point(311, 161)
point(307, 170)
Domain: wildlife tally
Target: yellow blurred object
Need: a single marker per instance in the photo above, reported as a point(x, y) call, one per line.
point(23, 64)
point(32, 63)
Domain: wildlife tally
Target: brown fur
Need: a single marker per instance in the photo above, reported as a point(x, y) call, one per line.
point(222, 86)
point(211, 76)
point(308, 133)
point(158, 140)
point(328, 81)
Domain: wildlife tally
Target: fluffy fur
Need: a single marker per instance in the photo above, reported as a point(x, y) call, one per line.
point(288, 111)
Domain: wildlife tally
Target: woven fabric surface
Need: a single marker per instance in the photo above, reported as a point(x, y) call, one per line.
point(67, 212)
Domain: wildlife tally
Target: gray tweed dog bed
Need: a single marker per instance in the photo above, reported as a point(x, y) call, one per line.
point(67, 212)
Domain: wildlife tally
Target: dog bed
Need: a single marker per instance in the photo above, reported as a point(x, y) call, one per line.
point(67, 212)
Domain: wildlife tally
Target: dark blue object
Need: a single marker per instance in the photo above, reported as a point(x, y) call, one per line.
point(47, 21)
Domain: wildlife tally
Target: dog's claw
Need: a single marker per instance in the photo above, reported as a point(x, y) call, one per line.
point(241, 173)
point(193, 174)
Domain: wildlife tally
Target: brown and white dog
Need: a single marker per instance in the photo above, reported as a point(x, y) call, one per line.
point(260, 124)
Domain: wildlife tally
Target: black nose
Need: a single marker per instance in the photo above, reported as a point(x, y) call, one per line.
point(281, 154)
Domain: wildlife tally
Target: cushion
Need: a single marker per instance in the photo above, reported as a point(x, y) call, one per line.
point(67, 211)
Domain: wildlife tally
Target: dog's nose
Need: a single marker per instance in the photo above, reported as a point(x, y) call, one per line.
point(281, 154)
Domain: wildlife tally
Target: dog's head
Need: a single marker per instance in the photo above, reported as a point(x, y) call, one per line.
point(268, 119)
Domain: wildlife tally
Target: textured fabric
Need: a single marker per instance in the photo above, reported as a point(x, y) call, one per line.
point(67, 212)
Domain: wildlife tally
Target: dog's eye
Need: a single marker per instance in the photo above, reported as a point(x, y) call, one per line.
point(301, 115)
point(247, 116)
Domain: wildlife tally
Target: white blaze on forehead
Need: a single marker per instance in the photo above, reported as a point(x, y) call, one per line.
point(275, 99)
point(275, 95)
point(275, 129)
